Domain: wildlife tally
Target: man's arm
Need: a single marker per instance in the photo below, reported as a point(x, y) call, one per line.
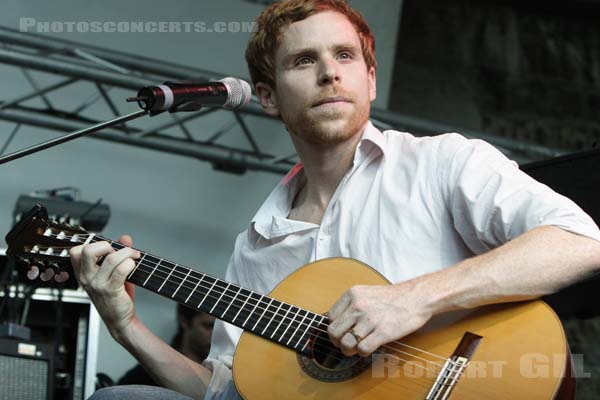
point(538, 262)
point(113, 298)
point(168, 367)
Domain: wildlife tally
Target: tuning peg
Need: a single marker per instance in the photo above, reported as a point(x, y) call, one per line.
point(61, 277)
point(47, 275)
point(33, 272)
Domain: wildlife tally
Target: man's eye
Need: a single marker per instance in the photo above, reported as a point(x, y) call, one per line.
point(345, 55)
point(304, 61)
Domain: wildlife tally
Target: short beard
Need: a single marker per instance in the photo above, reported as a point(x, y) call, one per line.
point(318, 131)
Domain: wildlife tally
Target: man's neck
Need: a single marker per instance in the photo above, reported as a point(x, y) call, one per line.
point(324, 166)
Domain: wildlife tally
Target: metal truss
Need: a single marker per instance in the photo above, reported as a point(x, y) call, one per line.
point(80, 64)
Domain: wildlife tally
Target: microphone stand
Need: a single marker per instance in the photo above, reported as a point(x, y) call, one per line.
point(73, 135)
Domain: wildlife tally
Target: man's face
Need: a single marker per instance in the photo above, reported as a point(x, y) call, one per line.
point(323, 88)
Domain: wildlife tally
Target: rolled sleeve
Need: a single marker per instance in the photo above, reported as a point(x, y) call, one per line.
point(492, 201)
point(221, 385)
point(220, 361)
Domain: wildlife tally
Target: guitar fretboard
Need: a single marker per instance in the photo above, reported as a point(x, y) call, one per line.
point(262, 315)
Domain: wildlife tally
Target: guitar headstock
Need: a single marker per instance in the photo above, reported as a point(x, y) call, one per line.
point(43, 245)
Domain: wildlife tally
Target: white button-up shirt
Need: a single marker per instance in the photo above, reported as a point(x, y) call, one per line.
point(408, 206)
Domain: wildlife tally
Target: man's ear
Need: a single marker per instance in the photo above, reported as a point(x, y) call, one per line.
point(268, 99)
point(372, 83)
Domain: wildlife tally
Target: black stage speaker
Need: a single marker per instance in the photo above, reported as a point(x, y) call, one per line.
point(575, 176)
point(72, 367)
point(26, 370)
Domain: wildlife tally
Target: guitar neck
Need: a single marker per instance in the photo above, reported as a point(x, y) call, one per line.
point(261, 315)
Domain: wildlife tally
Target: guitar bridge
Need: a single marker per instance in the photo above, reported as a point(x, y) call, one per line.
point(454, 367)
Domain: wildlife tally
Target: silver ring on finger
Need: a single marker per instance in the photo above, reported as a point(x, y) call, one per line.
point(357, 337)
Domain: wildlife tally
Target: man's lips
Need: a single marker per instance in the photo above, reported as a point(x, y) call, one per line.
point(328, 100)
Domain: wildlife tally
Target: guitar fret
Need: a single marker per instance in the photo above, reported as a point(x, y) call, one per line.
point(263, 313)
point(299, 325)
point(154, 269)
point(137, 265)
point(219, 299)
point(252, 312)
point(89, 239)
point(242, 306)
point(232, 300)
point(168, 276)
point(207, 293)
point(271, 320)
point(281, 322)
point(290, 324)
point(181, 283)
point(194, 289)
point(310, 326)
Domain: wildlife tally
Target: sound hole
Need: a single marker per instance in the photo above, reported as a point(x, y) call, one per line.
point(328, 356)
point(327, 363)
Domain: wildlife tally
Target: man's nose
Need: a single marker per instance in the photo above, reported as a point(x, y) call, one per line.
point(329, 72)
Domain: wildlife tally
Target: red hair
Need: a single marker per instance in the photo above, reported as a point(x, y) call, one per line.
point(261, 48)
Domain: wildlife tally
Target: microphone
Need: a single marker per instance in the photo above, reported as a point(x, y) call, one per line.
point(229, 93)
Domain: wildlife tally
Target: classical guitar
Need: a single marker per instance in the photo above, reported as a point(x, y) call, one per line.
point(511, 351)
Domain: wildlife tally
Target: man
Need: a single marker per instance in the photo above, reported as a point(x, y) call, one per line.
point(451, 222)
point(192, 340)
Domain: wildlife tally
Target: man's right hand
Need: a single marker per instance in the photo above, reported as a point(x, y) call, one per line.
point(113, 298)
point(105, 284)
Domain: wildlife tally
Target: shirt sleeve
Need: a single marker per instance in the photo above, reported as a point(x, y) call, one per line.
point(220, 362)
point(225, 337)
point(491, 201)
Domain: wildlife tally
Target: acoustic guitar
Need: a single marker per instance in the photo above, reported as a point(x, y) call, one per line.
point(510, 351)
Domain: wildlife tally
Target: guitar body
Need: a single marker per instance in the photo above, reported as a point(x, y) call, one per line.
point(523, 353)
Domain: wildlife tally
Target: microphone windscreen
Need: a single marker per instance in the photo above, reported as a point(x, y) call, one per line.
point(239, 90)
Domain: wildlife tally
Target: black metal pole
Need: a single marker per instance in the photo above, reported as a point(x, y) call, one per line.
point(71, 136)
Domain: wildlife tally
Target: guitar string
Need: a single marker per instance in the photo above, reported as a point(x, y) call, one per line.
point(262, 301)
point(234, 297)
point(423, 381)
point(283, 317)
point(290, 320)
point(425, 384)
point(266, 310)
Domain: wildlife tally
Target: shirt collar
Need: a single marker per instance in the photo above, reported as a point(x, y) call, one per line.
point(374, 136)
point(271, 219)
point(268, 221)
